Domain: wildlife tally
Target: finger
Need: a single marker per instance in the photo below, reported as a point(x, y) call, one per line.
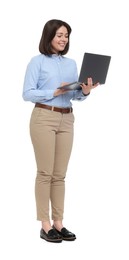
point(95, 85)
point(89, 82)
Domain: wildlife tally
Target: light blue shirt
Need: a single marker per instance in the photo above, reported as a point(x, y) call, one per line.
point(44, 74)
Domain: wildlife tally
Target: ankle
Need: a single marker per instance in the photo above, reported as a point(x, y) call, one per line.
point(46, 226)
point(58, 224)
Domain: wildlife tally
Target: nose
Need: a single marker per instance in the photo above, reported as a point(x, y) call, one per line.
point(64, 39)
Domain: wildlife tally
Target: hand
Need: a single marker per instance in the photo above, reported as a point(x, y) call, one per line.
point(86, 88)
point(61, 91)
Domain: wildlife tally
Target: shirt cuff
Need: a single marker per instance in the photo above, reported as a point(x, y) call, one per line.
point(85, 94)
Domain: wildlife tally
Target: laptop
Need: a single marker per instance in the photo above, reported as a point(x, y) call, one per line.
point(93, 66)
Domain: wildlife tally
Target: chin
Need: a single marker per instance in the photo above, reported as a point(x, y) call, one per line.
point(61, 49)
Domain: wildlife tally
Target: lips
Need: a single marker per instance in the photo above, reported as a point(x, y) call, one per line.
point(62, 45)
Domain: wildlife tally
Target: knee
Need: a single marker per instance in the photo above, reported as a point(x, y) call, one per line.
point(43, 176)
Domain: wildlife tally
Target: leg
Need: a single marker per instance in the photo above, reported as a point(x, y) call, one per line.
point(63, 147)
point(43, 140)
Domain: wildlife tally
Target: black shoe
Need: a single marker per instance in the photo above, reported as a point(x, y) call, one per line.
point(51, 236)
point(66, 234)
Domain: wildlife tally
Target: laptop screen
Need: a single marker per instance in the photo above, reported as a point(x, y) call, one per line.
point(95, 66)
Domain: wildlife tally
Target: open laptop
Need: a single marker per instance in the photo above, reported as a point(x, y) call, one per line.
point(93, 66)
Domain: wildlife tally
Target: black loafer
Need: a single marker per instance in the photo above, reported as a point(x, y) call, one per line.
point(65, 234)
point(51, 236)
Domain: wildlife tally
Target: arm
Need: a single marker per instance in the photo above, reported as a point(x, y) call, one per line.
point(31, 90)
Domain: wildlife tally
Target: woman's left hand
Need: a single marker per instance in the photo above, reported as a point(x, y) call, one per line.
point(86, 88)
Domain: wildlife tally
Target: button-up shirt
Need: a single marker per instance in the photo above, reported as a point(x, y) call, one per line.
point(44, 74)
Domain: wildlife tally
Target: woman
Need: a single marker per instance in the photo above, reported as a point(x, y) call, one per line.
point(51, 124)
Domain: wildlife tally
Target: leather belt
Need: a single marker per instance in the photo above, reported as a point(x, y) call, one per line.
point(57, 109)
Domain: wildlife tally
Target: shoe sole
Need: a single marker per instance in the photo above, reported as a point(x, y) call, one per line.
point(52, 240)
point(68, 239)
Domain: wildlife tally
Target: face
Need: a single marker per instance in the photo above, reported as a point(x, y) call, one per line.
point(60, 40)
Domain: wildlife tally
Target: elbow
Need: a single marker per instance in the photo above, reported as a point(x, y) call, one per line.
point(25, 96)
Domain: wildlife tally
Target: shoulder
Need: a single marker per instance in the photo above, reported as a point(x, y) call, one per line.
point(37, 58)
point(36, 61)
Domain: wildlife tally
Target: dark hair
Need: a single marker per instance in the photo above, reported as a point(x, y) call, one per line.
point(48, 34)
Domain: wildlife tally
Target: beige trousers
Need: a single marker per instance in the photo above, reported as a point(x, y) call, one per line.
point(52, 138)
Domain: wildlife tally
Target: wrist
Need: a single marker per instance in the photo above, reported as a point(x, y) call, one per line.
point(86, 94)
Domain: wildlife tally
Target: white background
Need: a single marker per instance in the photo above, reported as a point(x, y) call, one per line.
point(97, 183)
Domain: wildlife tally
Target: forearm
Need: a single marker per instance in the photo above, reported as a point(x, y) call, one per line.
point(38, 95)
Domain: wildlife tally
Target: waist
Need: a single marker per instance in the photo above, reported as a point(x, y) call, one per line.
point(56, 109)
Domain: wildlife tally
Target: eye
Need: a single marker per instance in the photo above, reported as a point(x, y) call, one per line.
point(61, 35)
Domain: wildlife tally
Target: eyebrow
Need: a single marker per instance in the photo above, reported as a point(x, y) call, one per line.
point(61, 33)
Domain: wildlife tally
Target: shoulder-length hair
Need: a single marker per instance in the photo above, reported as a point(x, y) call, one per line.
point(48, 34)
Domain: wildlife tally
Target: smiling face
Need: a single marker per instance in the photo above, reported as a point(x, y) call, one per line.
point(60, 40)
